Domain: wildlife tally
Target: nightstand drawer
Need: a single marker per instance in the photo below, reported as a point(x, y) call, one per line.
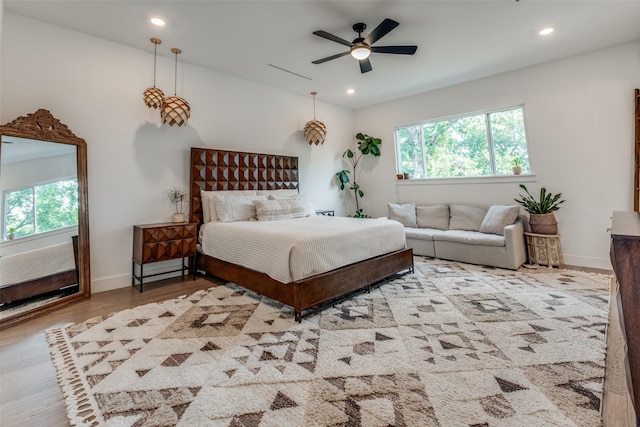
point(172, 249)
point(162, 242)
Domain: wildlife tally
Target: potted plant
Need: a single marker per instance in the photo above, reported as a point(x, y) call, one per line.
point(11, 233)
point(366, 145)
point(541, 217)
point(177, 198)
point(517, 166)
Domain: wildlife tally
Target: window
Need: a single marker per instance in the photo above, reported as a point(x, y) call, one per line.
point(41, 208)
point(480, 144)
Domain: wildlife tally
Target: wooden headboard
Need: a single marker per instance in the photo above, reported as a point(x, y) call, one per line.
point(221, 170)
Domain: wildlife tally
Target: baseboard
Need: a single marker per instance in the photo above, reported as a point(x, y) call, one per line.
point(588, 262)
point(124, 280)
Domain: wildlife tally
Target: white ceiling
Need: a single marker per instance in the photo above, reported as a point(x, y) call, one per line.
point(457, 41)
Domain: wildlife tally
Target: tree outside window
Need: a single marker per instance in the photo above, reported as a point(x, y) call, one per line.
point(41, 208)
point(475, 145)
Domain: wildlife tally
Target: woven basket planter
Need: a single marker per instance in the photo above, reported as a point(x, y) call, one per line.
point(543, 223)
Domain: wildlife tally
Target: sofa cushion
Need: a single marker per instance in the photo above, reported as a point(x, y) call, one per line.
point(433, 216)
point(498, 217)
point(470, 238)
point(405, 214)
point(421, 233)
point(466, 217)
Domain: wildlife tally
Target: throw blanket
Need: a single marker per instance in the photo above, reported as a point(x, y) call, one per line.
point(293, 249)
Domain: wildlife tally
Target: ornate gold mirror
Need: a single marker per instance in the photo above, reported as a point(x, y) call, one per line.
point(44, 221)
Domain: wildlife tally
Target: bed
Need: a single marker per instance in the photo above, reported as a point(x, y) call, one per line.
point(39, 271)
point(308, 291)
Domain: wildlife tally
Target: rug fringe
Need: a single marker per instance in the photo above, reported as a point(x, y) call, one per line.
point(81, 409)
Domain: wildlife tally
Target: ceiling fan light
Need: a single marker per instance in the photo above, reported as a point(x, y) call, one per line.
point(360, 52)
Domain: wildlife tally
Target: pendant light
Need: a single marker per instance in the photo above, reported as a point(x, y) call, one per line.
point(153, 96)
point(175, 110)
point(315, 131)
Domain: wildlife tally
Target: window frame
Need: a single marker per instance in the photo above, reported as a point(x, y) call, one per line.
point(35, 219)
point(491, 148)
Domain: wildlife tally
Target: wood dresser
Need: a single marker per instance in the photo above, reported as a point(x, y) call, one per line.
point(162, 242)
point(625, 258)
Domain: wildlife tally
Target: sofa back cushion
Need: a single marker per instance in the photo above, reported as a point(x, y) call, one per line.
point(498, 217)
point(433, 216)
point(466, 217)
point(405, 214)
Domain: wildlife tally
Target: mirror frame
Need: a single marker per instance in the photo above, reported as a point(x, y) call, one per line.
point(43, 126)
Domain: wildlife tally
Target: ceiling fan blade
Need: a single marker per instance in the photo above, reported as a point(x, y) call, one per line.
point(400, 50)
point(333, 38)
point(365, 65)
point(329, 58)
point(380, 31)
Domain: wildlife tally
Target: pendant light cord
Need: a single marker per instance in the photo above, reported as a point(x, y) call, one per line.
point(155, 53)
point(175, 79)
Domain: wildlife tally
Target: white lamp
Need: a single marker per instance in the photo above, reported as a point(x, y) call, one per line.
point(360, 51)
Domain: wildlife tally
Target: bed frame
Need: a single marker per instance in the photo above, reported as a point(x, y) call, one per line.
point(42, 285)
point(221, 170)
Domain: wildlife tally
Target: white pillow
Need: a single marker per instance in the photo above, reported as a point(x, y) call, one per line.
point(278, 193)
point(433, 216)
point(466, 217)
point(498, 217)
point(236, 208)
point(271, 210)
point(404, 214)
point(206, 198)
point(303, 198)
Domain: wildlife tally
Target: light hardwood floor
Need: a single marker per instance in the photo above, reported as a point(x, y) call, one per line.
point(30, 395)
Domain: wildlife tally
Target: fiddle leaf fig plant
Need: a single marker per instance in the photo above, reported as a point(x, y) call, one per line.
point(367, 145)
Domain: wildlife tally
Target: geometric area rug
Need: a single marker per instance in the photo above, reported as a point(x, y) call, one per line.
point(449, 345)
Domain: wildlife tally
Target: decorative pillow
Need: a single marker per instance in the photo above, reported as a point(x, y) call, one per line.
point(466, 217)
point(405, 214)
point(271, 210)
point(498, 217)
point(304, 200)
point(206, 200)
point(433, 216)
point(236, 208)
point(278, 193)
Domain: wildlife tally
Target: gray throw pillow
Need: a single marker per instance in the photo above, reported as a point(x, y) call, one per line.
point(466, 217)
point(498, 217)
point(433, 216)
point(405, 214)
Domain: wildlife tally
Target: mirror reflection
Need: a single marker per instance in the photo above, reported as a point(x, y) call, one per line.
point(39, 186)
point(44, 244)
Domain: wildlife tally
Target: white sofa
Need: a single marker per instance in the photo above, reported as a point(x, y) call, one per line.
point(488, 235)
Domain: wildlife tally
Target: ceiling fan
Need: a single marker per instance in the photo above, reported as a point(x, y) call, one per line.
point(360, 48)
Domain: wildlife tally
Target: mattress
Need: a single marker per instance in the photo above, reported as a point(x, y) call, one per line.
point(294, 249)
point(37, 263)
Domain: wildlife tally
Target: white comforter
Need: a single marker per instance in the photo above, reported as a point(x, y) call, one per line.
point(36, 263)
point(293, 249)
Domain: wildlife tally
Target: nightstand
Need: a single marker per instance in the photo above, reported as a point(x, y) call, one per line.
point(162, 242)
point(325, 212)
point(544, 249)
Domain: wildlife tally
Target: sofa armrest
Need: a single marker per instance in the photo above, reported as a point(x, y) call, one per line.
point(515, 244)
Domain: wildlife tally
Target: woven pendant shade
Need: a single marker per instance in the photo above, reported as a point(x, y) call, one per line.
point(153, 96)
point(315, 131)
point(175, 110)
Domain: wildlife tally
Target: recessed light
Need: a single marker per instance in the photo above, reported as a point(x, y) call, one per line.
point(546, 31)
point(157, 21)
point(351, 91)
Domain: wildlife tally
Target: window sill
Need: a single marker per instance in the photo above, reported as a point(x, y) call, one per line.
point(468, 180)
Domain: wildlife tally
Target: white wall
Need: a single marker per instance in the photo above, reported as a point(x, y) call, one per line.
point(579, 117)
point(95, 87)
